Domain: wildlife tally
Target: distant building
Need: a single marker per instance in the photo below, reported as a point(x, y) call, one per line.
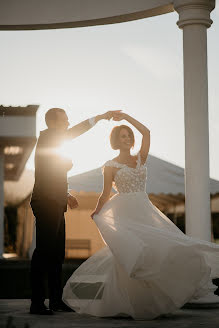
point(17, 140)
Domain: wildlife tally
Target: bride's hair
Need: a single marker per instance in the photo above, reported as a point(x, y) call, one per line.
point(114, 136)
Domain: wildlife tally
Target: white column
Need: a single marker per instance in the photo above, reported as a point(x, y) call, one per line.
point(1, 202)
point(194, 19)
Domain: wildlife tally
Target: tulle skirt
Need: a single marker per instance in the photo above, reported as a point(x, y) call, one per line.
point(148, 267)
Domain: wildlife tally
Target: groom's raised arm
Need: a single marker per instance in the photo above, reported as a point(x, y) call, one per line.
point(86, 125)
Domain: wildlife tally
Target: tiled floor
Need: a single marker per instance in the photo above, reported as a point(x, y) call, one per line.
point(18, 312)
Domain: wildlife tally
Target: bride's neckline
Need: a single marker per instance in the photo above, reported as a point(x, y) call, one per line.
point(123, 164)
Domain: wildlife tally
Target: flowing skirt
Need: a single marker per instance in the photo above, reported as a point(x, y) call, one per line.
point(148, 267)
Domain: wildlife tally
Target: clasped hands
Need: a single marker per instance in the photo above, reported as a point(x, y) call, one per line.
point(116, 115)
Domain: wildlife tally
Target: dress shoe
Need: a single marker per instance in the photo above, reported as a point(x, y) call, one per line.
point(60, 307)
point(40, 309)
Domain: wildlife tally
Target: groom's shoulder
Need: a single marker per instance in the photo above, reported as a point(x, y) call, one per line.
point(46, 138)
point(48, 134)
point(50, 137)
point(44, 133)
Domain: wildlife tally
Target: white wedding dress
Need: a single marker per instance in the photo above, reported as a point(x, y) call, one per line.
point(148, 267)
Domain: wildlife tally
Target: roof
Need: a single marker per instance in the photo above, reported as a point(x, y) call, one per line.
point(162, 177)
point(29, 110)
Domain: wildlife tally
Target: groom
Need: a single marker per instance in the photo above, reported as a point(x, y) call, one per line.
point(49, 202)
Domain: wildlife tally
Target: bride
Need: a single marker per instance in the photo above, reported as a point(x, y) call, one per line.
point(148, 266)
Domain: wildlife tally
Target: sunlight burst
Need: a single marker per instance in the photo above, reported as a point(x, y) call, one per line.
point(64, 150)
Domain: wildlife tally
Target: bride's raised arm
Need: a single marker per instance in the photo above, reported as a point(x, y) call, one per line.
point(107, 187)
point(145, 144)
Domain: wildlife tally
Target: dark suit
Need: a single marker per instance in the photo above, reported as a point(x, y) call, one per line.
point(49, 202)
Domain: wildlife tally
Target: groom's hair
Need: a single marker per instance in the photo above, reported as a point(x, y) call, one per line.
point(51, 115)
point(114, 136)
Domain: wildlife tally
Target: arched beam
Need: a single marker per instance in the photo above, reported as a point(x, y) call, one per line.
point(55, 14)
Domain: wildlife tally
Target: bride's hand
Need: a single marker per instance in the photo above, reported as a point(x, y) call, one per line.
point(108, 115)
point(119, 116)
point(92, 215)
point(72, 201)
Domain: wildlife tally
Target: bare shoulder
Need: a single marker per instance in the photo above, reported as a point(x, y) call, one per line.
point(107, 168)
point(108, 173)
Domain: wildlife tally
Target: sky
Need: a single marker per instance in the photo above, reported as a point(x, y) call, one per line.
point(135, 66)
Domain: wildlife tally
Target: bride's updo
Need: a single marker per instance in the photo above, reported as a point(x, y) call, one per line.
point(114, 136)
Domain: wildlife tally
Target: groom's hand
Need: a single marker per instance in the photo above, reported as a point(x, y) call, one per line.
point(72, 201)
point(118, 116)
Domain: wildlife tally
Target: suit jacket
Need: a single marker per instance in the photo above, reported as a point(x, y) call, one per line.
point(50, 169)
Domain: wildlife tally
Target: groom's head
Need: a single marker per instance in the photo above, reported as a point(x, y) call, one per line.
point(56, 118)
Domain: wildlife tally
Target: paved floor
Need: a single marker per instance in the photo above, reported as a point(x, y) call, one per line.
point(14, 314)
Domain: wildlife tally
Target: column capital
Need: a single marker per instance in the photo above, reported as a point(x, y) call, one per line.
point(194, 12)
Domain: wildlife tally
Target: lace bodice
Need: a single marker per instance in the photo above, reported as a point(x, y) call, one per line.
point(128, 179)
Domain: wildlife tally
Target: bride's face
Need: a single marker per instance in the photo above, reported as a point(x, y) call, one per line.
point(125, 140)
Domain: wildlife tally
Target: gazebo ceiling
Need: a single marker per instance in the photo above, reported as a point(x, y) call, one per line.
point(48, 14)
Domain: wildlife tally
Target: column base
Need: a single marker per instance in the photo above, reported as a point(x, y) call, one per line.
point(209, 301)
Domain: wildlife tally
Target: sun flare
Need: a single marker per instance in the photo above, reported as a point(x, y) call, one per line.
point(64, 150)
